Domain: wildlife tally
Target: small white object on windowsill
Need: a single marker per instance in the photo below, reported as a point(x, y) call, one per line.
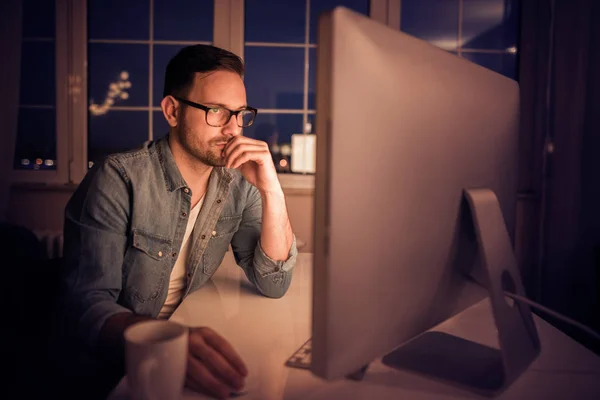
point(304, 148)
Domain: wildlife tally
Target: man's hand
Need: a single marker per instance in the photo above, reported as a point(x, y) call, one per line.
point(213, 365)
point(254, 160)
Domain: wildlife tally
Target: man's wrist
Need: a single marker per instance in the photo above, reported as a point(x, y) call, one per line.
point(275, 192)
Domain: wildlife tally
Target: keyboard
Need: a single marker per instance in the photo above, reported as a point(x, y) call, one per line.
point(301, 358)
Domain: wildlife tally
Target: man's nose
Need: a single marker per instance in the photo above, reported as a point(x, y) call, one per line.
point(232, 128)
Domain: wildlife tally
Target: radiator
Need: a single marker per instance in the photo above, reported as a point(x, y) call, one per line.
point(52, 241)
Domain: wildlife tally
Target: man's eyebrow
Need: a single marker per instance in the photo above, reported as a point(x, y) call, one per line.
point(224, 106)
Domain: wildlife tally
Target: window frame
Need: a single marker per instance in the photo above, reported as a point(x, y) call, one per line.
point(61, 173)
point(71, 46)
point(385, 11)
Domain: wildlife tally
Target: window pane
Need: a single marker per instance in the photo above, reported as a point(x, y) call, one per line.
point(278, 22)
point(160, 126)
point(115, 64)
point(36, 139)
point(183, 20)
point(317, 7)
point(275, 128)
point(312, 78)
point(433, 20)
point(118, 19)
point(162, 56)
point(312, 120)
point(38, 73)
point(274, 77)
point(116, 131)
point(505, 64)
point(36, 121)
point(38, 18)
point(490, 24)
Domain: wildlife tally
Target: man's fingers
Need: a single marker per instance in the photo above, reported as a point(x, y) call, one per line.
point(243, 140)
point(200, 378)
point(218, 365)
point(234, 151)
point(223, 347)
point(232, 143)
point(246, 156)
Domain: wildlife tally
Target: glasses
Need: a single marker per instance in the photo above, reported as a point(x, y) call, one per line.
point(220, 116)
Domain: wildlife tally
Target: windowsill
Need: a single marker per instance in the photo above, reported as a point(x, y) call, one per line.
point(50, 187)
point(295, 182)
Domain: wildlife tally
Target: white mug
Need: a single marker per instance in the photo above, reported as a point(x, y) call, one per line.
point(156, 359)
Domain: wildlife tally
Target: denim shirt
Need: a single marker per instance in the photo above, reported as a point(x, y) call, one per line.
point(124, 227)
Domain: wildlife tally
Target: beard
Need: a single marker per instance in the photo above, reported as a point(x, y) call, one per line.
point(193, 145)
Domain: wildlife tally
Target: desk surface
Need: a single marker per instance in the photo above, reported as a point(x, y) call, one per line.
point(266, 332)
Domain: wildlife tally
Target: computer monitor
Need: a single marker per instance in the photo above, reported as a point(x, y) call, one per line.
point(403, 129)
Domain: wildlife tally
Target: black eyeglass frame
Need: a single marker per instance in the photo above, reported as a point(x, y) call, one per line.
point(231, 112)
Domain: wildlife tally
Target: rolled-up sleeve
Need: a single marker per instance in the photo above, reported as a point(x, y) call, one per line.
point(95, 239)
point(265, 265)
point(272, 278)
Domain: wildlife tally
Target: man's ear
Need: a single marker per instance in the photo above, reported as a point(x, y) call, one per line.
point(171, 109)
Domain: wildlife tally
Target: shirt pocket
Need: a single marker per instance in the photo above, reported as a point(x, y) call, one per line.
point(147, 265)
point(219, 241)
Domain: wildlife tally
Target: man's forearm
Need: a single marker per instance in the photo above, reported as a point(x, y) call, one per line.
point(276, 235)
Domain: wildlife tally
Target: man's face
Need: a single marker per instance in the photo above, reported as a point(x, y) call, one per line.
point(200, 140)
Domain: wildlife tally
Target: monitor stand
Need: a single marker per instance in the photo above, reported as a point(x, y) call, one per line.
point(464, 363)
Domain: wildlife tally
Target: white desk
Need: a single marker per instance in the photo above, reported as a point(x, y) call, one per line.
point(266, 332)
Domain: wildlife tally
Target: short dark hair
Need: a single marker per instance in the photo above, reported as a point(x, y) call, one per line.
point(180, 72)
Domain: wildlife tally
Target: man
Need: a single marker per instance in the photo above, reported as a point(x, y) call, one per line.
point(147, 227)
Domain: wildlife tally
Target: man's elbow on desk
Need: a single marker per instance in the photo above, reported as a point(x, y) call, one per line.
point(274, 284)
point(271, 277)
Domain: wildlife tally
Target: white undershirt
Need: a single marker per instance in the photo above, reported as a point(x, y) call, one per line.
point(178, 282)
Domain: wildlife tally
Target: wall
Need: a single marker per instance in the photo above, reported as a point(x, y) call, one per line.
point(38, 207)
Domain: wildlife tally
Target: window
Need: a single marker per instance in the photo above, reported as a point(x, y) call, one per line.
point(129, 46)
point(36, 147)
point(92, 70)
point(482, 31)
point(280, 54)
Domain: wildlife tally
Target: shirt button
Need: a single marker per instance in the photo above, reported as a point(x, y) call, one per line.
point(277, 269)
point(203, 236)
point(160, 253)
point(184, 214)
point(219, 201)
point(174, 254)
point(214, 233)
point(186, 190)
